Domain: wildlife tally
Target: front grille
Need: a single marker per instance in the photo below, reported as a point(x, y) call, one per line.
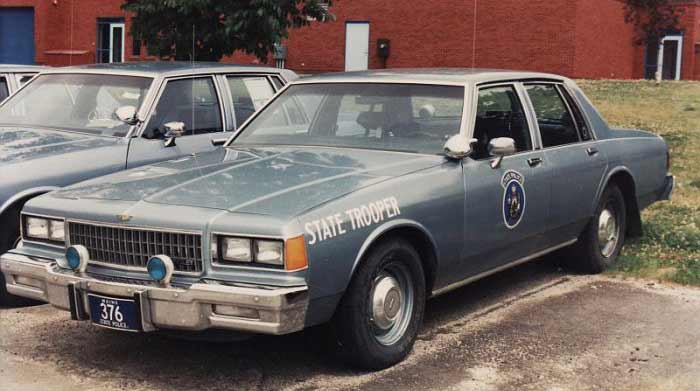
point(133, 247)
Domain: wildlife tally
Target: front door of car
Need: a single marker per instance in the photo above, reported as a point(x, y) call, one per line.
point(506, 205)
point(196, 102)
point(577, 164)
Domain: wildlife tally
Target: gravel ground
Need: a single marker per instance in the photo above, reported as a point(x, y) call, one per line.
point(531, 328)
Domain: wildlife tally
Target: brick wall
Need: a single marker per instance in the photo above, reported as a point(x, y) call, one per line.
point(579, 38)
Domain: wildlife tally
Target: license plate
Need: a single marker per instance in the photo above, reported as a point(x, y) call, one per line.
point(119, 314)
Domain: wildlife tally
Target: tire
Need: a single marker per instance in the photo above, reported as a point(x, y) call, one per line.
point(9, 237)
point(600, 242)
point(375, 334)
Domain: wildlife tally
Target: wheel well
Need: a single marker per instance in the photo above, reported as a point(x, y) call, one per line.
point(625, 183)
point(15, 207)
point(423, 245)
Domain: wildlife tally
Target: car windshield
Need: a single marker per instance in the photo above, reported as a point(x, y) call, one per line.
point(77, 102)
point(397, 117)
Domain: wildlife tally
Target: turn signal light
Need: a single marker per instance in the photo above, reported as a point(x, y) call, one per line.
point(295, 254)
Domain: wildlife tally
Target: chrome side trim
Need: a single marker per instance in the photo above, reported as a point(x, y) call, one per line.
point(487, 273)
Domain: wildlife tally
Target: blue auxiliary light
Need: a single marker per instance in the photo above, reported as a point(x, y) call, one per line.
point(77, 257)
point(160, 268)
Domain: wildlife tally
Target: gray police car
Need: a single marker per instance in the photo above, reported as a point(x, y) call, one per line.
point(12, 77)
point(72, 124)
point(350, 199)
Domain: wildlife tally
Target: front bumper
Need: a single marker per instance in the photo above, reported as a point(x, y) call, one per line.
point(200, 306)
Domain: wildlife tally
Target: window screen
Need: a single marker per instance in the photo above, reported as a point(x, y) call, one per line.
point(192, 101)
point(500, 114)
point(553, 117)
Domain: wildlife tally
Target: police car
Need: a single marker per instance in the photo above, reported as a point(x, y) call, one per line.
point(349, 199)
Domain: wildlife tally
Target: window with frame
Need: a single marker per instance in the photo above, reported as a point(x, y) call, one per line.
point(557, 125)
point(248, 94)
point(192, 101)
point(4, 89)
point(500, 114)
point(579, 119)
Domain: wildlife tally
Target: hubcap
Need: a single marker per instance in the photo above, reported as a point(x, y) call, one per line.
point(386, 302)
point(608, 231)
point(391, 300)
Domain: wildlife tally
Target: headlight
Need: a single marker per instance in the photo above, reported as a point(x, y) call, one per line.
point(270, 252)
point(228, 250)
point(44, 229)
point(236, 249)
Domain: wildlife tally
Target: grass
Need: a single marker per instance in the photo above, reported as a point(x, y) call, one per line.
point(669, 250)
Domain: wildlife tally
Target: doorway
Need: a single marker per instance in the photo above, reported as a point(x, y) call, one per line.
point(668, 54)
point(16, 35)
point(356, 46)
point(110, 40)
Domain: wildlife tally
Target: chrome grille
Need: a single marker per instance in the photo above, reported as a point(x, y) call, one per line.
point(133, 247)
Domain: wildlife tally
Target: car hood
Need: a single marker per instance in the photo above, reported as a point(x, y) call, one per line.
point(19, 144)
point(276, 181)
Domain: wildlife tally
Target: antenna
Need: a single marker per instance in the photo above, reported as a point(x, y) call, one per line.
point(192, 58)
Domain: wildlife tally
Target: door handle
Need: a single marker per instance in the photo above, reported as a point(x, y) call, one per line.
point(592, 151)
point(534, 161)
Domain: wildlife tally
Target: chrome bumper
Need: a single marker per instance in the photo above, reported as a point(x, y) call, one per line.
point(266, 310)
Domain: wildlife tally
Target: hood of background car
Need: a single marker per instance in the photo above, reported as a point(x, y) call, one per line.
point(277, 181)
point(19, 144)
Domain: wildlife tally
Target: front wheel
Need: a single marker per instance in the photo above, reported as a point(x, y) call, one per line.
point(379, 317)
point(9, 239)
point(601, 241)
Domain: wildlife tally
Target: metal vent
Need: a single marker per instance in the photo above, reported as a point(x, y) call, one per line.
point(132, 247)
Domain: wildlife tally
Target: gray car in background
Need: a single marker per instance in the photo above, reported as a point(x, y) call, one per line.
point(12, 77)
point(349, 199)
point(71, 124)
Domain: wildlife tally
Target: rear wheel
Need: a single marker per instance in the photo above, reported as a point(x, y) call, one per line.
point(382, 310)
point(601, 241)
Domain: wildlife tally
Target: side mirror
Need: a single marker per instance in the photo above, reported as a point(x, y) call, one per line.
point(219, 141)
point(127, 114)
point(458, 147)
point(500, 147)
point(171, 131)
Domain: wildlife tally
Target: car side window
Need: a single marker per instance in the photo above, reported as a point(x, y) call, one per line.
point(581, 124)
point(500, 114)
point(22, 79)
point(277, 82)
point(192, 101)
point(557, 126)
point(4, 90)
point(249, 94)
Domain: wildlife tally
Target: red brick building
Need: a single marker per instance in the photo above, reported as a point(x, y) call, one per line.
point(578, 38)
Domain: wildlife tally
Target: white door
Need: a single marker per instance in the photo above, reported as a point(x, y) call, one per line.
point(116, 42)
point(670, 57)
point(356, 46)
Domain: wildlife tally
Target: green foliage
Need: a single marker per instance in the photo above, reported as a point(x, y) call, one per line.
point(215, 28)
point(653, 18)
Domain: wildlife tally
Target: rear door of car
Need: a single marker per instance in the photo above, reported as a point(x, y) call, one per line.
point(506, 206)
point(576, 162)
point(210, 106)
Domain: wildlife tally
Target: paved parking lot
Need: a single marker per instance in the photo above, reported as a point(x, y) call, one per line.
point(533, 327)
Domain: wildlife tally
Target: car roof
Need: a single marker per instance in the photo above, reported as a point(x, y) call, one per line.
point(20, 68)
point(431, 76)
point(164, 68)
